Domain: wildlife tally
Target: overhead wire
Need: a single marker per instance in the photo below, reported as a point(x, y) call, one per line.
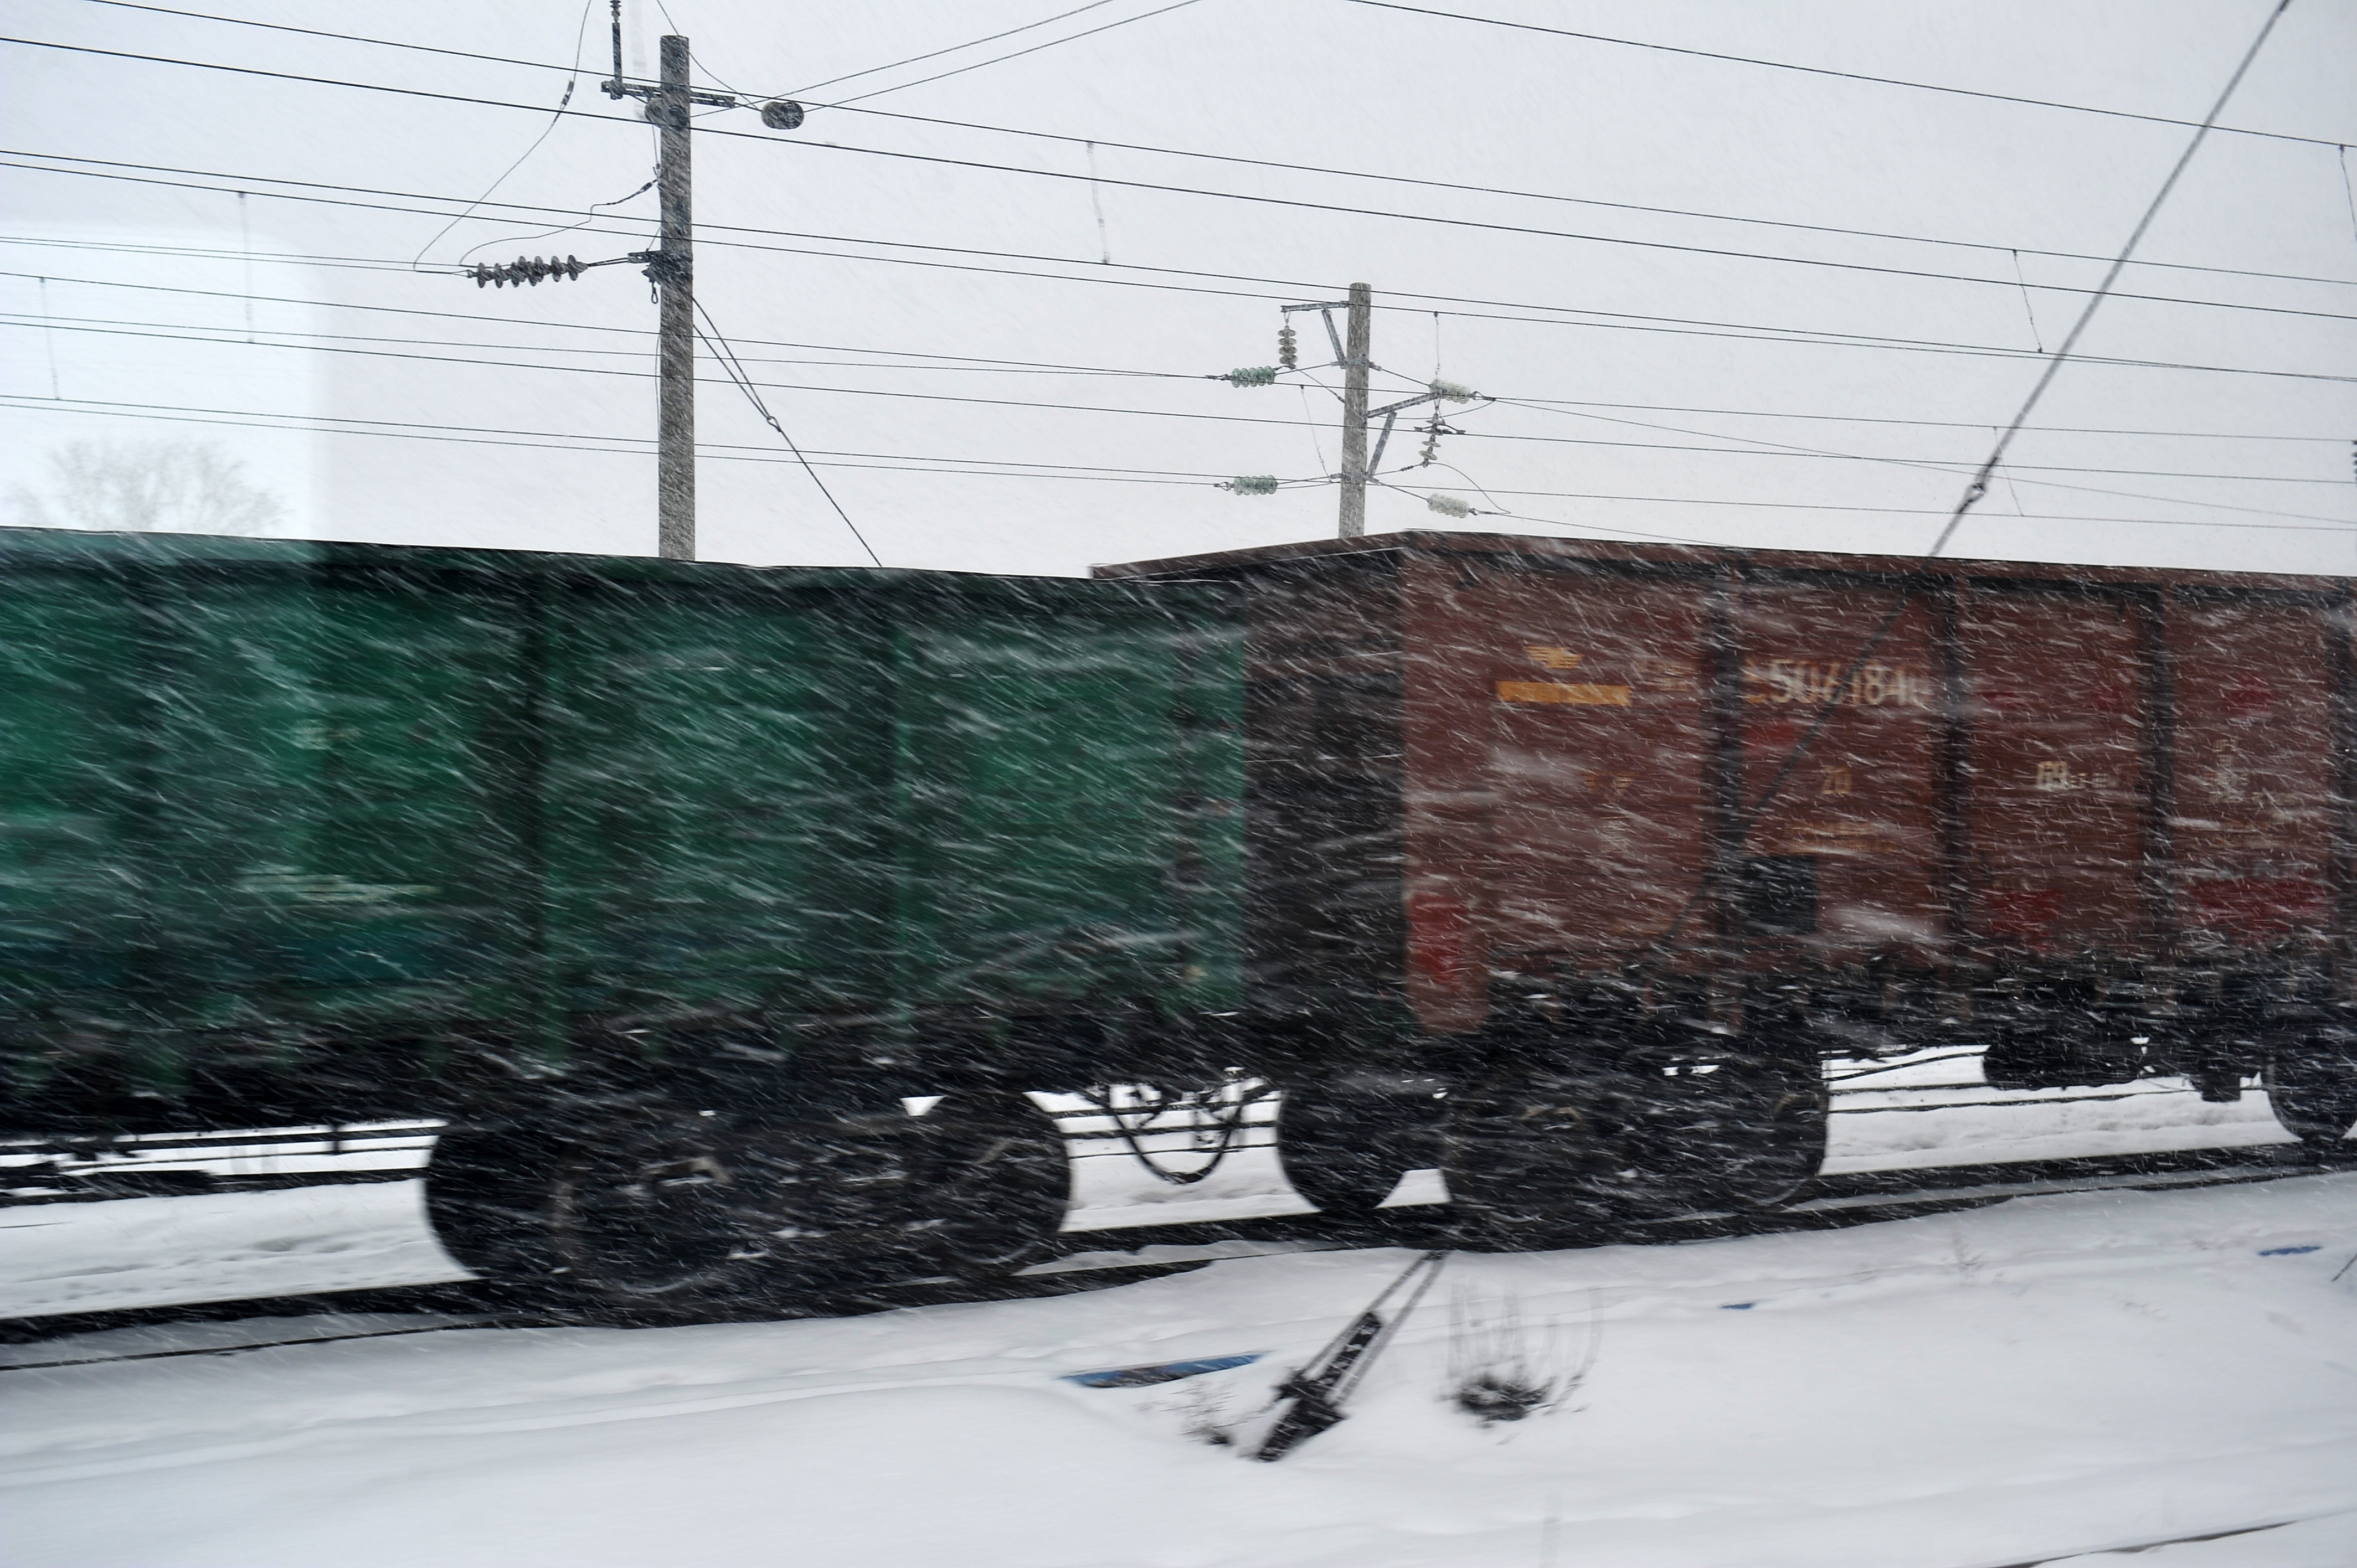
point(1279, 164)
point(322, 424)
point(572, 78)
point(709, 334)
point(1097, 275)
point(68, 325)
point(615, 446)
point(1518, 400)
point(1019, 54)
point(1846, 75)
point(807, 144)
point(936, 54)
point(1978, 487)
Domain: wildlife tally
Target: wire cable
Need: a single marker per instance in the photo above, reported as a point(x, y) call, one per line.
point(1019, 54)
point(1142, 476)
point(1741, 332)
point(54, 324)
point(1269, 163)
point(572, 78)
point(969, 44)
point(613, 445)
point(710, 334)
point(1536, 404)
point(1844, 75)
point(982, 165)
point(1978, 487)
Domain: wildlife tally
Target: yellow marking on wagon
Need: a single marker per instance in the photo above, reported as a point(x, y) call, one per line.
point(1562, 691)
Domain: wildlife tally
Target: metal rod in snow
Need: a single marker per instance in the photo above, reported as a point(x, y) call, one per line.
point(1978, 487)
point(1319, 1389)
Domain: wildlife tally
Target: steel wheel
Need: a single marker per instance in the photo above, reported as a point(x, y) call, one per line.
point(1774, 1123)
point(990, 1185)
point(647, 1207)
point(1345, 1152)
point(654, 1215)
point(1522, 1158)
point(2313, 1092)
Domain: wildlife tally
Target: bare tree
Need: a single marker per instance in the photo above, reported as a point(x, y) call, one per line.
point(140, 486)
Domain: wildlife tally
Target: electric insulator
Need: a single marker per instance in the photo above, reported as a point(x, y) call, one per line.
point(1453, 393)
point(1431, 446)
point(1287, 350)
point(1251, 376)
point(1449, 506)
point(526, 270)
point(1251, 485)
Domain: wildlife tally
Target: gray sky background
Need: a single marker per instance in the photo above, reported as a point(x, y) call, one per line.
point(858, 287)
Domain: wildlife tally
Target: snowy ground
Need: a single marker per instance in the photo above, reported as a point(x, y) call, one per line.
point(2053, 1375)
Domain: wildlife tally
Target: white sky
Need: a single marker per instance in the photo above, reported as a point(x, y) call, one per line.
point(1310, 82)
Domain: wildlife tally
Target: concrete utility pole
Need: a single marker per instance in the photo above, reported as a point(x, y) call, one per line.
point(672, 268)
point(1358, 346)
point(1354, 351)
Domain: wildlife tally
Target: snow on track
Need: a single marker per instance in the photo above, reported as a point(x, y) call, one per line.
point(2073, 1373)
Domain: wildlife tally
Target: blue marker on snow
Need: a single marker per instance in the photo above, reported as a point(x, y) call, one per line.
point(2286, 1252)
point(1160, 1372)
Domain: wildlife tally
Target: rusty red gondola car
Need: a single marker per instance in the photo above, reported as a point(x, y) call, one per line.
point(1643, 833)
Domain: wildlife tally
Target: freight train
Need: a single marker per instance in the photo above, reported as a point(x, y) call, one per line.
point(735, 919)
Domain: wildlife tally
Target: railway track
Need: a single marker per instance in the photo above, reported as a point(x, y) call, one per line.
point(241, 1327)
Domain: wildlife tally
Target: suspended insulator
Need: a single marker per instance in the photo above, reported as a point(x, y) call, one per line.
point(1251, 485)
point(1251, 376)
point(527, 269)
point(1453, 393)
point(1287, 348)
point(1431, 445)
point(1449, 506)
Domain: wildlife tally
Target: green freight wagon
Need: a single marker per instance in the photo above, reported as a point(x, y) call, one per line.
point(679, 890)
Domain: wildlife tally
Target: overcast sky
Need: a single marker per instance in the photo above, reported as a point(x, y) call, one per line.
point(1694, 376)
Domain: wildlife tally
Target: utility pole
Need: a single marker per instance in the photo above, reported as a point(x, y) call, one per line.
point(673, 267)
point(670, 266)
point(1354, 351)
point(1358, 346)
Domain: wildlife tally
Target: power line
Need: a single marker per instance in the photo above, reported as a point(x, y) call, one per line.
point(21, 401)
point(184, 332)
point(1978, 487)
point(618, 445)
point(710, 334)
point(1278, 164)
point(966, 360)
point(1620, 321)
point(572, 76)
point(1529, 231)
point(969, 44)
point(1130, 413)
point(1019, 54)
point(1844, 75)
point(1936, 424)
point(1935, 512)
point(1538, 404)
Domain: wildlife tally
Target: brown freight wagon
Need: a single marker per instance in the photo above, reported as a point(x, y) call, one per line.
point(1611, 845)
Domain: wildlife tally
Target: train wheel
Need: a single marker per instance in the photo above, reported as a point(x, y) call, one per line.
point(1774, 1117)
point(990, 1186)
point(1555, 1159)
point(1522, 1158)
point(2314, 1093)
point(651, 1209)
point(1346, 1151)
